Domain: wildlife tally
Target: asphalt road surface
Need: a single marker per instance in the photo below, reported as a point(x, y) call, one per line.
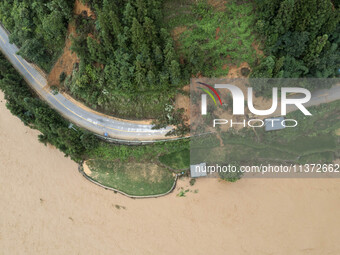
point(320, 96)
point(120, 129)
point(99, 124)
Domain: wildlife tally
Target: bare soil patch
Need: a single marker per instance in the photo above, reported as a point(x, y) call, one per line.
point(67, 60)
point(79, 8)
point(183, 101)
point(337, 132)
point(87, 170)
point(217, 32)
point(235, 71)
point(65, 63)
point(256, 46)
point(176, 33)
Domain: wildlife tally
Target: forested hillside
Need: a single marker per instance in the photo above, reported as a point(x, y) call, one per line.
point(128, 65)
point(302, 38)
point(38, 27)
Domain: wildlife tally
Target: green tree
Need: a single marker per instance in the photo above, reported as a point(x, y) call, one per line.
point(299, 34)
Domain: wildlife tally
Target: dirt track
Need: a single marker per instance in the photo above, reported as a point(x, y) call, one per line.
point(47, 207)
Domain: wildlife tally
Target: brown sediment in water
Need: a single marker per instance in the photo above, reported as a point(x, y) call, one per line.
point(49, 208)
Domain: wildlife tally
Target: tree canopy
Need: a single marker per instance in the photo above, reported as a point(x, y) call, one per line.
point(302, 38)
point(125, 57)
point(38, 27)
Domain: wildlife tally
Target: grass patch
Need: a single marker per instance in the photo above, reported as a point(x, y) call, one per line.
point(178, 13)
point(305, 145)
point(145, 153)
point(137, 179)
point(176, 160)
point(317, 157)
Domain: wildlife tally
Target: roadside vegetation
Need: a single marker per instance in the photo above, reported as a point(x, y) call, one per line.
point(38, 27)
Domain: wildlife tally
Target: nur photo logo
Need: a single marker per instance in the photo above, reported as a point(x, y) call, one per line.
point(281, 99)
point(239, 99)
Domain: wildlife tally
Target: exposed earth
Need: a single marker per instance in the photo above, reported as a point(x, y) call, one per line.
point(67, 60)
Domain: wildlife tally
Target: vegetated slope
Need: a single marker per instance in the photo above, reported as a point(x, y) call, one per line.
point(302, 38)
point(212, 36)
point(128, 66)
point(37, 27)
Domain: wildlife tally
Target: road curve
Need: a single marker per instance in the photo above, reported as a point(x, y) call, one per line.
point(97, 123)
point(123, 130)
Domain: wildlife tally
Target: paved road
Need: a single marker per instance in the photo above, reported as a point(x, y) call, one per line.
point(321, 96)
point(99, 124)
point(120, 129)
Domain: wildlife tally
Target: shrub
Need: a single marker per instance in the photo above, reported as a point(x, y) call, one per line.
point(230, 175)
point(62, 77)
point(192, 182)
